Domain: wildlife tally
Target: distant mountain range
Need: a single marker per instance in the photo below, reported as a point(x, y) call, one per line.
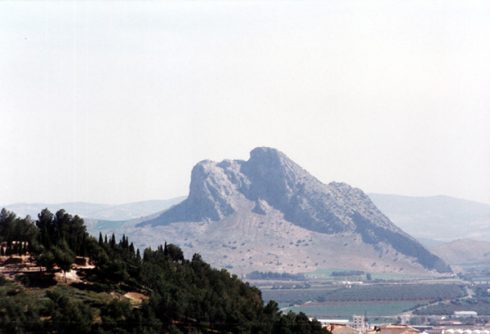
point(269, 214)
point(464, 252)
point(437, 217)
point(432, 220)
point(96, 211)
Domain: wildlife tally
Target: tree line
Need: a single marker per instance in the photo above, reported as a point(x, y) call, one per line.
point(184, 295)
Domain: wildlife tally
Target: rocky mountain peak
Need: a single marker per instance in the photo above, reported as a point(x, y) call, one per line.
point(273, 166)
point(267, 156)
point(270, 183)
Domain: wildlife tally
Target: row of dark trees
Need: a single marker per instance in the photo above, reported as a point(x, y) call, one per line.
point(16, 233)
point(53, 239)
point(185, 296)
point(259, 275)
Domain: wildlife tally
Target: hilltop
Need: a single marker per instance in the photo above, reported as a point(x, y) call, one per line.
point(118, 290)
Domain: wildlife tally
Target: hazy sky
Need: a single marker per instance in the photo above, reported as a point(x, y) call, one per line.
point(116, 101)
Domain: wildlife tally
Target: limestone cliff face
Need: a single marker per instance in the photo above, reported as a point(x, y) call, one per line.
point(270, 184)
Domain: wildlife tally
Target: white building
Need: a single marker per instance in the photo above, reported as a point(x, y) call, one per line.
point(359, 322)
point(465, 314)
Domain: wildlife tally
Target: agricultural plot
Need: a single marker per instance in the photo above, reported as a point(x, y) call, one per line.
point(479, 305)
point(347, 309)
point(364, 293)
point(295, 296)
point(396, 292)
point(377, 300)
point(332, 275)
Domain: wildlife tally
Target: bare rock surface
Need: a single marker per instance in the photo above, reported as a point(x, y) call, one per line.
point(269, 214)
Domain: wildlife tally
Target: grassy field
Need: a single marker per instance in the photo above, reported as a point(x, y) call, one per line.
point(347, 309)
point(326, 274)
point(295, 296)
point(367, 293)
point(374, 300)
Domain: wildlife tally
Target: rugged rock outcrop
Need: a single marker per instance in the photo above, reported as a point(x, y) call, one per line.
point(273, 189)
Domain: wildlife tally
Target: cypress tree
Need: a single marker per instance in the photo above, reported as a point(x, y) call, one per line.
point(113, 241)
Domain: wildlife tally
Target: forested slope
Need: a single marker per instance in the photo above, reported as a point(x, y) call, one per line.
point(178, 295)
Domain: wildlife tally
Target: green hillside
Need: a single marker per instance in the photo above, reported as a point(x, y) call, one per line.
point(47, 286)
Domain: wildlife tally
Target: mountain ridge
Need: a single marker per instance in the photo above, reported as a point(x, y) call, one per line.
point(464, 252)
point(98, 211)
point(272, 188)
point(442, 218)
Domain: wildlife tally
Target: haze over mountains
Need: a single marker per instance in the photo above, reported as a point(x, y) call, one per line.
point(268, 213)
point(97, 211)
point(466, 252)
point(436, 217)
point(433, 219)
point(455, 229)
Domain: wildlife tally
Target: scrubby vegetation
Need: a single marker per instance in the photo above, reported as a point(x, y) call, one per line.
point(259, 275)
point(179, 295)
point(347, 273)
